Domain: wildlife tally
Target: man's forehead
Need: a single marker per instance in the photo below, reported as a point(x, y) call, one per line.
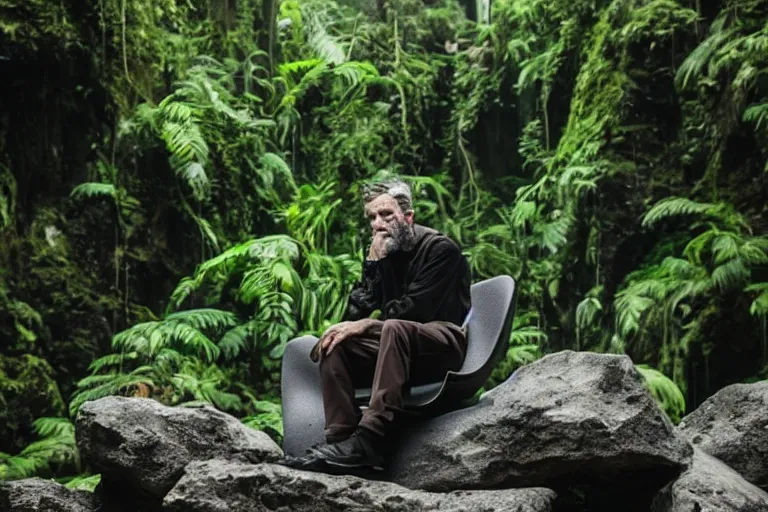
point(379, 202)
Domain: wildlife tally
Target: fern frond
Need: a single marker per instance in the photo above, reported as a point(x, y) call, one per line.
point(586, 311)
point(55, 449)
point(730, 274)
point(754, 251)
point(325, 46)
point(277, 166)
point(678, 269)
point(111, 360)
point(726, 247)
point(675, 206)
point(696, 247)
point(524, 336)
point(757, 114)
point(195, 176)
point(169, 358)
point(50, 427)
point(186, 287)
point(235, 341)
point(552, 235)
point(667, 394)
point(203, 382)
point(17, 467)
point(148, 338)
point(298, 67)
point(693, 66)
point(56, 446)
point(205, 319)
point(523, 354)
point(109, 385)
point(759, 306)
point(630, 308)
point(268, 416)
point(186, 144)
point(94, 190)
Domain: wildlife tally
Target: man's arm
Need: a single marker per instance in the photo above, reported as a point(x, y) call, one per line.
point(363, 300)
point(428, 290)
point(365, 296)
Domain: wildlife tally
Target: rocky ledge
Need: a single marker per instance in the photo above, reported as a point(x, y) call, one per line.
point(570, 432)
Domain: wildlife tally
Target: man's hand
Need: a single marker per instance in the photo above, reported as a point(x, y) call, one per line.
point(378, 248)
point(335, 334)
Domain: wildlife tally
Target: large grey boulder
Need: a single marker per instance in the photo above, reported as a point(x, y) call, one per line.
point(141, 446)
point(224, 486)
point(710, 486)
point(38, 495)
point(570, 416)
point(732, 425)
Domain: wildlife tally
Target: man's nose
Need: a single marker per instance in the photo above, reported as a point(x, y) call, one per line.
point(378, 224)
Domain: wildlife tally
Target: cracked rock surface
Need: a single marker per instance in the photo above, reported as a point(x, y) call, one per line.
point(226, 486)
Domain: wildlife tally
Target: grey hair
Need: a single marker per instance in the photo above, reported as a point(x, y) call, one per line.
point(399, 190)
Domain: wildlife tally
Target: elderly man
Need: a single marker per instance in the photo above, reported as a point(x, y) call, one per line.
point(420, 282)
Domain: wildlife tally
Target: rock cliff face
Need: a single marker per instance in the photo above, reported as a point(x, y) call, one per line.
point(570, 432)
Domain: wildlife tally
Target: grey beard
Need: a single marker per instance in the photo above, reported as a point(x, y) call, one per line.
point(403, 238)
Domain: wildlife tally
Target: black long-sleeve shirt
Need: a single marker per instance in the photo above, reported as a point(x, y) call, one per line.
point(429, 282)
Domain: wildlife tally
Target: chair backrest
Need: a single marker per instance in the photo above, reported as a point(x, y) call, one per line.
point(490, 323)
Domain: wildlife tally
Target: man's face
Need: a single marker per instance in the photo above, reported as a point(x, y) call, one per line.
point(389, 221)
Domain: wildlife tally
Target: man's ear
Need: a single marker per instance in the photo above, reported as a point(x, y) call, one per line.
point(409, 217)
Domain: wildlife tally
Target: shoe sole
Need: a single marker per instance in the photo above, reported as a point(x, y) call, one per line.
point(353, 466)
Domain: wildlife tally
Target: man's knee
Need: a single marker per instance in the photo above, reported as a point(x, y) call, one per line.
point(336, 358)
point(329, 362)
point(394, 330)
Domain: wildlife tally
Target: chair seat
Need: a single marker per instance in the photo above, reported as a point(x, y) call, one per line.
point(415, 397)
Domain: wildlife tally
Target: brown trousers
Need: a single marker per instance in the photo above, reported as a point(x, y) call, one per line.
point(404, 353)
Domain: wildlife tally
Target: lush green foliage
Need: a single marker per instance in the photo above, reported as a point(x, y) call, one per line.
point(610, 155)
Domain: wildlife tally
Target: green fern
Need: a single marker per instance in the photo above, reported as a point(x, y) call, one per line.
point(676, 206)
point(94, 387)
point(759, 306)
point(757, 114)
point(56, 447)
point(268, 417)
point(692, 68)
point(204, 383)
point(111, 360)
point(205, 319)
point(94, 190)
point(236, 341)
point(666, 393)
point(148, 338)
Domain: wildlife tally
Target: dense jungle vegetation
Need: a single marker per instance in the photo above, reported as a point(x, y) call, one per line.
point(179, 188)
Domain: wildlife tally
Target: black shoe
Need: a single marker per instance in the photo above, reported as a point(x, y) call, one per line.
point(307, 462)
point(310, 461)
point(361, 450)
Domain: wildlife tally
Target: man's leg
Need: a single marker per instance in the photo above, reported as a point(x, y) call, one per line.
point(351, 364)
point(409, 353)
